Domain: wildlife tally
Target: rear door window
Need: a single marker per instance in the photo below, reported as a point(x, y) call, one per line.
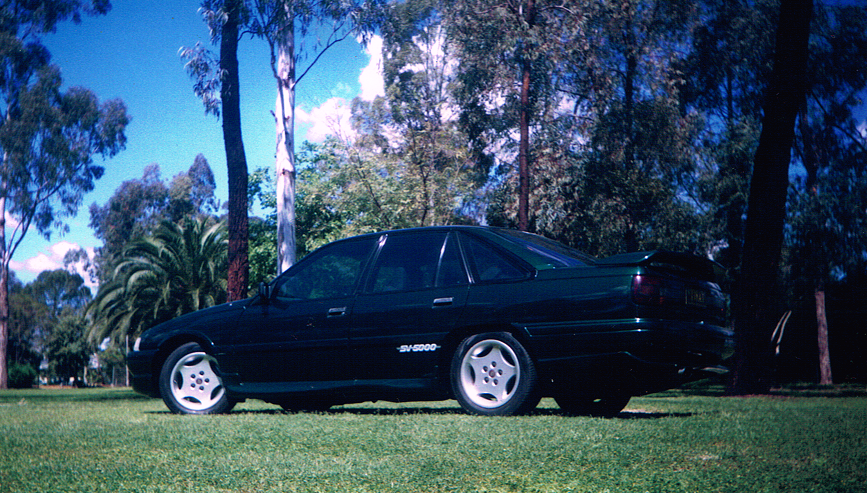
point(412, 262)
point(490, 264)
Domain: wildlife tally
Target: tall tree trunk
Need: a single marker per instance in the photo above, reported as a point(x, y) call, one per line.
point(285, 165)
point(631, 44)
point(824, 355)
point(236, 160)
point(524, 145)
point(810, 161)
point(4, 293)
point(524, 151)
point(755, 294)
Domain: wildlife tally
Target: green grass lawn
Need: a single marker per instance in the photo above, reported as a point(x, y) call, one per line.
point(113, 440)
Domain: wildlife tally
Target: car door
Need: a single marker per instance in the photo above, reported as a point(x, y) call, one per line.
point(412, 298)
point(297, 339)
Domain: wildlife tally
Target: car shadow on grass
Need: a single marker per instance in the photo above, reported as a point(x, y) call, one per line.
point(444, 411)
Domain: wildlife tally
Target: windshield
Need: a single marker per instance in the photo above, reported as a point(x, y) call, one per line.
point(542, 252)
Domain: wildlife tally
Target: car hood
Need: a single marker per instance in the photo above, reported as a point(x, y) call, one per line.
point(203, 323)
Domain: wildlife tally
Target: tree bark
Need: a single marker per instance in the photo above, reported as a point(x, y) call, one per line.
point(825, 377)
point(524, 145)
point(236, 160)
point(523, 152)
point(285, 163)
point(810, 161)
point(4, 294)
point(755, 294)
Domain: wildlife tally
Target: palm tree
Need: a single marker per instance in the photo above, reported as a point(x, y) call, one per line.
point(180, 269)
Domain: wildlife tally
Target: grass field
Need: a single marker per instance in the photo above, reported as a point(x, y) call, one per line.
point(111, 440)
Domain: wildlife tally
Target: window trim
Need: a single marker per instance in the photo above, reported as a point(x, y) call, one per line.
point(514, 260)
point(282, 279)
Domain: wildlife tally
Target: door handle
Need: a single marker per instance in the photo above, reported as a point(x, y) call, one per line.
point(337, 312)
point(443, 301)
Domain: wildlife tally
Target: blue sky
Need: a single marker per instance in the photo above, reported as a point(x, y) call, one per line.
point(132, 54)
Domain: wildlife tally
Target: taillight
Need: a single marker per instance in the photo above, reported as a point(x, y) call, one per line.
point(656, 291)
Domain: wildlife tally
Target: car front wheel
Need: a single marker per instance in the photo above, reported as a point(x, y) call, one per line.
point(190, 384)
point(492, 375)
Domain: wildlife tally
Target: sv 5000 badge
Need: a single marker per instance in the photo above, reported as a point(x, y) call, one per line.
point(415, 348)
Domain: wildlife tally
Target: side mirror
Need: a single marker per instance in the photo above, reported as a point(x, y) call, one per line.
point(265, 292)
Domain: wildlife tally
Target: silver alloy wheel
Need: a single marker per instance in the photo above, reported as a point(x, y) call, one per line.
point(490, 373)
point(194, 383)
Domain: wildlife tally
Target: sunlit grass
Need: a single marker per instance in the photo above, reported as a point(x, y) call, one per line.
point(112, 440)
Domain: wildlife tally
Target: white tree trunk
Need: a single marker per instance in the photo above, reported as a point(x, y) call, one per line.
point(285, 166)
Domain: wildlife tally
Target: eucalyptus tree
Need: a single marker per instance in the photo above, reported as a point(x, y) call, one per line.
point(177, 270)
point(827, 208)
point(756, 295)
point(508, 60)
point(68, 349)
point(28, 322)
point(405, 161)
point(217, 83)
point(61, 291)
point(48, 136)
point(278, 21)
point(726, 74)
point(275, 21)
point(139, 205)
point(641, 152)
point(411, 138)
point(60, 297)
point(354, 188)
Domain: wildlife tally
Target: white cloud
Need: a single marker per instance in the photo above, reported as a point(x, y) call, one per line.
point(333, 116)
point(53, 260)
point(11, 221)
point(330, 118)
point(372, 83)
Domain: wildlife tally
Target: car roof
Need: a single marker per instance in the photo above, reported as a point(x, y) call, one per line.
point(503, 237)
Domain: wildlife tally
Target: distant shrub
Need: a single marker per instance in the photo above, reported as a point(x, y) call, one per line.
point(21, 376)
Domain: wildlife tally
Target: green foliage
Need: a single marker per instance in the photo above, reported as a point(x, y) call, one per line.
point(180, 269)
point(61, 291)
point(29, 322)
point(48, 137)
point(349, 190)
point(828, 203)
point(262, 246)
point(191, 194)
point(726, 73)
point(138, 206)
point(67, 348)
point(21, 376)
point(405, 162)
point(47, 323)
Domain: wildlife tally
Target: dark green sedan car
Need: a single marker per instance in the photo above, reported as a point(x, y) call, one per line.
point(496, 319)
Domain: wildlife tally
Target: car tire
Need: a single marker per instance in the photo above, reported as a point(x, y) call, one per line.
point(190, 382)
point(493, 375)
point(577, 404)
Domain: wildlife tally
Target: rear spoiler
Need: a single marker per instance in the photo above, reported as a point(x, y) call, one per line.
point(696, 266)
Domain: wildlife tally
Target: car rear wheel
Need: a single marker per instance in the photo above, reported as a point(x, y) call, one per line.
point(492, 375)
point(190, 383)
point(578, 404)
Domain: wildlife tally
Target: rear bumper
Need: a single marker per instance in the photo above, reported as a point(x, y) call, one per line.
point(637, 355)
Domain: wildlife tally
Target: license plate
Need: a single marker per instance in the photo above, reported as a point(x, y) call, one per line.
point(695, 297)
